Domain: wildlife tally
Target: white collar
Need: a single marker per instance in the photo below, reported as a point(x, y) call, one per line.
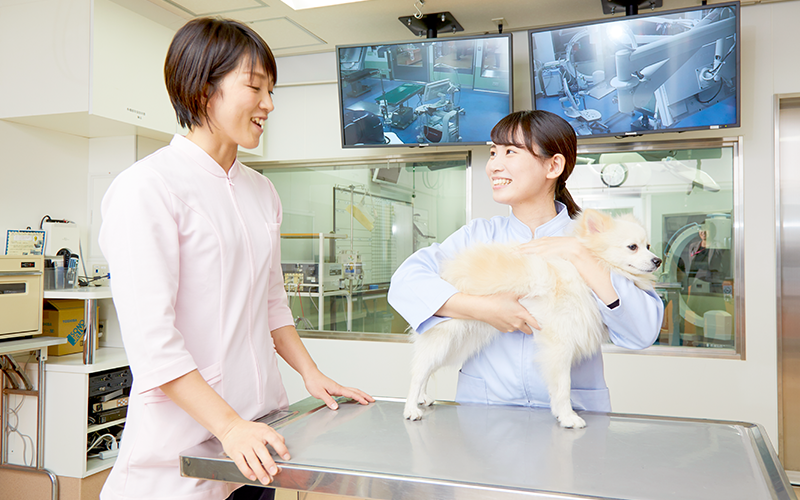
point(202, 158)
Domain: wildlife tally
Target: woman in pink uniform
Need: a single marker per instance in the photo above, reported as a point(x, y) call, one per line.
point(192, 239)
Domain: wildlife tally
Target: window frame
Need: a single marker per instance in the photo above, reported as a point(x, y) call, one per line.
point(739, 350)
point(387, 161)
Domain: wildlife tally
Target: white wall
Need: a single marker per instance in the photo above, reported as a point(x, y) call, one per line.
point(41, 173)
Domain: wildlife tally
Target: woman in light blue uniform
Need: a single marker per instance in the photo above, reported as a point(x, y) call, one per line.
point(533, 154)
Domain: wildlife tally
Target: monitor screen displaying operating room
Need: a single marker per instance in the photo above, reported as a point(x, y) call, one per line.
point(656, 72)
point(434, 91)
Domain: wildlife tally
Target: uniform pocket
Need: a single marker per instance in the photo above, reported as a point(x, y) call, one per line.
point(161, 430)
point(471, 389)
point(591, 399)
point(273, 230)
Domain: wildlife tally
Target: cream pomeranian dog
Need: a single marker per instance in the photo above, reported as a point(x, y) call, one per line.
point(554, 293)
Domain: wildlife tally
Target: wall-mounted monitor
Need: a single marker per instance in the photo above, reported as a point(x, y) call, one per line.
point(437, 91)
point(656, 72)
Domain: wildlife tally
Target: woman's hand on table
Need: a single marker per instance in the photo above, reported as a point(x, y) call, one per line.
point(322, 387)
point(246, 443)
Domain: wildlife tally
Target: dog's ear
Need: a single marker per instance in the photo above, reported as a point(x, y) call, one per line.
point(593, 221)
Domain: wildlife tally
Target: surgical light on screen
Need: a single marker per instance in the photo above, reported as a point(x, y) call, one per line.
point(656, 72)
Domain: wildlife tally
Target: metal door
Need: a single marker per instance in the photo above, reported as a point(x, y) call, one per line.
point(788, 206)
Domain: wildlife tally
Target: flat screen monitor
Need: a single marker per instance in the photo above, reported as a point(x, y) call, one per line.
point(437, 91)
point(656, 72)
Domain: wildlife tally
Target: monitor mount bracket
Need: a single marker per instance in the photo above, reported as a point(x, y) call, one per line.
point(431, 24)
point(631, 6)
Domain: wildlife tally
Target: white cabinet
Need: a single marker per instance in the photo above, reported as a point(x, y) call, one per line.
point(66, 421)
point(85, 67)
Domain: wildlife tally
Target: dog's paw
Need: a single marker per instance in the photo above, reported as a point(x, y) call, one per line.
point(571, 421)
point(412, 413)
point(427, 400)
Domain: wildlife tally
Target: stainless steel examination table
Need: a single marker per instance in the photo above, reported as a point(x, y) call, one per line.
point(500, 452)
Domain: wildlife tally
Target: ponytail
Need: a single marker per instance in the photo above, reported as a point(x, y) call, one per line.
point(563, 195)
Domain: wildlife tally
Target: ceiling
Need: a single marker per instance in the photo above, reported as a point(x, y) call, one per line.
point(289, 32)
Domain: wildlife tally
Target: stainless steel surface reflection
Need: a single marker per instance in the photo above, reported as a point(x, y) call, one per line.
point(468, 452)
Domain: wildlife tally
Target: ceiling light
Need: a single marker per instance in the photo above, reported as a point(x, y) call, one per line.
point(313, 4)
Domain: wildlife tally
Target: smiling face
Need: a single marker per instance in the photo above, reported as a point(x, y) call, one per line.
point(238, 109)
point(518, 177)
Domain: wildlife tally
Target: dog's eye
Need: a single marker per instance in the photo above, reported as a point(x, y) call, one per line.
point(633, 247)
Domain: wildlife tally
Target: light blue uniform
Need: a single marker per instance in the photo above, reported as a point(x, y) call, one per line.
point(504, 372)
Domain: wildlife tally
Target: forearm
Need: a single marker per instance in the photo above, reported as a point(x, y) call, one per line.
point(244, 441)
point(502, 311)
point(462, 306)
point(194, 396)
point(292, 350)
point(598, 278)
point(289, 346)
point(637, 322)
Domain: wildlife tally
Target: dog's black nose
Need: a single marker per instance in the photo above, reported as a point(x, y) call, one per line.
point(656, 261)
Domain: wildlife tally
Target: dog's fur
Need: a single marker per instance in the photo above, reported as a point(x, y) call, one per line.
point(554, 293)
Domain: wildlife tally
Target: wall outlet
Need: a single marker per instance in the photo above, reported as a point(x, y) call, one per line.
point(100, 270)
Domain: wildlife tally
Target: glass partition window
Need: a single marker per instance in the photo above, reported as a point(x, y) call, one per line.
point(687, 200)
point(347, 227)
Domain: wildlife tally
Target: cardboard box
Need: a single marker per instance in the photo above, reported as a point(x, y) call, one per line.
point(64, 318)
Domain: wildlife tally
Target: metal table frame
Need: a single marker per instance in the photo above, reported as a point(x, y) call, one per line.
point(39, 345)
point(307, 424)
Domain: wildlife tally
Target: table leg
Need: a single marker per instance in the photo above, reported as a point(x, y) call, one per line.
point(40, 410)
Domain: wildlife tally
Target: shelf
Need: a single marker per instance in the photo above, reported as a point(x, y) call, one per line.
point(22, 345)
point(105, 358)
point(83, 293)
point(331, 293)
point(305, 236)
point(98, 427)
point(95, 465)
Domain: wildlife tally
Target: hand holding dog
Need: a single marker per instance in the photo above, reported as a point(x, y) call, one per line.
point(570, 248)
point(502, 311)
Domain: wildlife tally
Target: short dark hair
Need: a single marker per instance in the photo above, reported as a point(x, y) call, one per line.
point(544, 135)
point(202, 52)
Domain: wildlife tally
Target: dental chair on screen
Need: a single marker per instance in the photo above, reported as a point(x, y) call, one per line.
point(439, 120)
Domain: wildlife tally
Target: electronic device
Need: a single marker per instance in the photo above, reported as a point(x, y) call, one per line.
point(389, 175)
point(110, 380)
point(656, 72)
point(21, 295)
point(431, 91)
point(61, 237)
point(304, 277)
point(104, 417)
point(110, 405)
